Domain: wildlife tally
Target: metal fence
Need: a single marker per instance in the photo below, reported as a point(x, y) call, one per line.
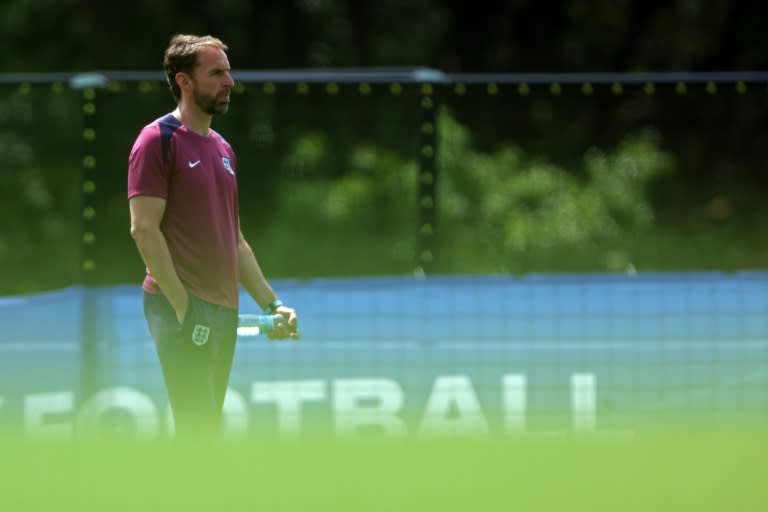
point(500, 106)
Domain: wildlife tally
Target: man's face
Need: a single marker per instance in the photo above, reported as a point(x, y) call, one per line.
point(211, 81)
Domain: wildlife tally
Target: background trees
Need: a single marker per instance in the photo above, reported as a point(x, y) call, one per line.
point(539, 183)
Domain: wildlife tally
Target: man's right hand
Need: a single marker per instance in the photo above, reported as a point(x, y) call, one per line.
point(146, 216)
point(180, 305)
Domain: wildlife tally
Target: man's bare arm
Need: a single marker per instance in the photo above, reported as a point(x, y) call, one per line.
point(251, 276)
point(146, 215)
point(254, 282)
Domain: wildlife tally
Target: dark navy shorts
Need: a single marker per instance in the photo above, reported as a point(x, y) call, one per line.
point(196, 359)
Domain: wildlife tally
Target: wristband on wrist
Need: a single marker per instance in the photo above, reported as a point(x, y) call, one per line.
point(270, 309)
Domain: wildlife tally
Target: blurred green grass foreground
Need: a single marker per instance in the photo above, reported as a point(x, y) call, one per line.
point(676, 471)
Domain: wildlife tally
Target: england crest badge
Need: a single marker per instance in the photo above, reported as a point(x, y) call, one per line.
point(227, 165)
point(200, 334)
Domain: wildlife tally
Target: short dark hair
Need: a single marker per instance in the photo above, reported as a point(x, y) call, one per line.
point(181, 57)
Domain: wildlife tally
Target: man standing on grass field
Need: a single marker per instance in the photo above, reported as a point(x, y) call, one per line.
point(182, 192)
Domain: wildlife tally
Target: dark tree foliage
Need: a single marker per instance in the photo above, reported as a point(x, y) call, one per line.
point(718, 140)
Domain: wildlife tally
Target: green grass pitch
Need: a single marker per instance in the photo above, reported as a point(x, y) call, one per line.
point(675, 471)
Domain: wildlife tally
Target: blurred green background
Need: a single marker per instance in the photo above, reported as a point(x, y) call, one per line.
point(556, 178)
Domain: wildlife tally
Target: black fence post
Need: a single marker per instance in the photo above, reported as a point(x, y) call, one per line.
point(428, 171)
point(89, 358)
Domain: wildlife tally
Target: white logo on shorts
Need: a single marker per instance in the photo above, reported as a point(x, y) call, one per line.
point(200, 334)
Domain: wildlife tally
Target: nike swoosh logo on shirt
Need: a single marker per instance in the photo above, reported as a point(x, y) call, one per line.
point(193, 164)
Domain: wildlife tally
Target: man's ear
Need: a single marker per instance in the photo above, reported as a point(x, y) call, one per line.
point(183, 80)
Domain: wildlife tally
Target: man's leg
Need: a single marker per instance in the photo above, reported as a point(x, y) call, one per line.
point(226, 338)
point(187, 370)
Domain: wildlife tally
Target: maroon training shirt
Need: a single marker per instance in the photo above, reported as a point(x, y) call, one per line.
point(196, 177)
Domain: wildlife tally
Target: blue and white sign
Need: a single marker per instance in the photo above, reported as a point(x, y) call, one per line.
point(399, 356)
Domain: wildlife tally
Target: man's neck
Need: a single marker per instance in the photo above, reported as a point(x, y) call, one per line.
point(191, 117)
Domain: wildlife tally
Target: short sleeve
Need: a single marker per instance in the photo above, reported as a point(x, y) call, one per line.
point(147, 171)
